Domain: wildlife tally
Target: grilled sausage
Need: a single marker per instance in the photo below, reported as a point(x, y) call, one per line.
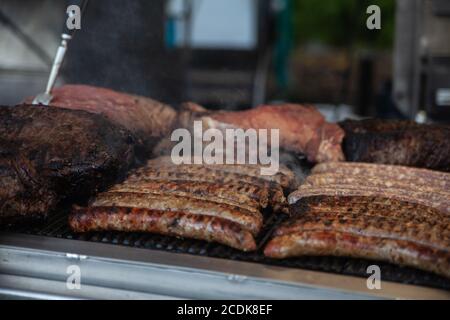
point(251, 221)
point(285, 177)
point(277, 199)
point(414, 175)
point(437, 201)
point(334, 243)
point(172, 223)
point(246, 196)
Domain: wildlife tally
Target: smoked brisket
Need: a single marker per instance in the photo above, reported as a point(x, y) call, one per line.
point(147, 119)
point(397, 142)
point(49, 155)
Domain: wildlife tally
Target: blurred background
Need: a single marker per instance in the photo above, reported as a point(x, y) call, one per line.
point(236, 54)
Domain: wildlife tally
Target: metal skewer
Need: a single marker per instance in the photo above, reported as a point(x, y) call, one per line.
point(46, 97)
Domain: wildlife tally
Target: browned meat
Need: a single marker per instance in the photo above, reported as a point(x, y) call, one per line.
point(397, 142)
point(247, 197)
point(302, 129)
point(419, 186)
point(202, 174)
point(248, 220)
point(437, 201)
point(172, 223)
point(357, 206)
point(284, 177)
point(431, 230)
point(388, 172)
point(149, 120)
point(48, 155)
point(330, 179)
point(363, 227)
point(234, 200)
point(332, 243)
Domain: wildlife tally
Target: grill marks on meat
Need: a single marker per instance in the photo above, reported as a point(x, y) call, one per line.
point(432, 200)
point(393, 231)
point(186, 201)
point(171, 223)
point(247, 197)
point(388, 172)
point(405, 222)
point(370, 211)
point(199, 173)
point(330, 179)
point(302, 129)
point(283, 177)
point(48, 155)
point(397, 142)
point(334, 243)
point(426, 187)
point(247, 219)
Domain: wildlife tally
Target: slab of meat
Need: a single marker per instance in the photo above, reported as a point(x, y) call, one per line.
point(302, 129)
point(147, 119)
point(330, 179)
point(388, 172)
point(397, 142)
point(438, 201)
point(203, 174)
point(332, 243)
point(180, 224)
point(426, 187)
point(48, 155)
point(244, 196)
point(249, 220)
point(366, 227)
point(284, 177)
point(183, 201)
point(357, 206)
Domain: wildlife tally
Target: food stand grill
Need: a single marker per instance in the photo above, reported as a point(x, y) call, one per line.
point(416, 283)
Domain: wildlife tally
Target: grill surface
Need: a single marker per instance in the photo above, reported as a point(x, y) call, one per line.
point(57, 227)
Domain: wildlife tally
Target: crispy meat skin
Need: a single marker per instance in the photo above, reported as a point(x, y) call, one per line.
point(397, 142)
point(302, 128)
point(333, 243)
point(248, 220)
point(170, 223)
point(148, 119)
point(49, 154)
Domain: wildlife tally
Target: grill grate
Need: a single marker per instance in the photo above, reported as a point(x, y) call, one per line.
point(57, 227)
